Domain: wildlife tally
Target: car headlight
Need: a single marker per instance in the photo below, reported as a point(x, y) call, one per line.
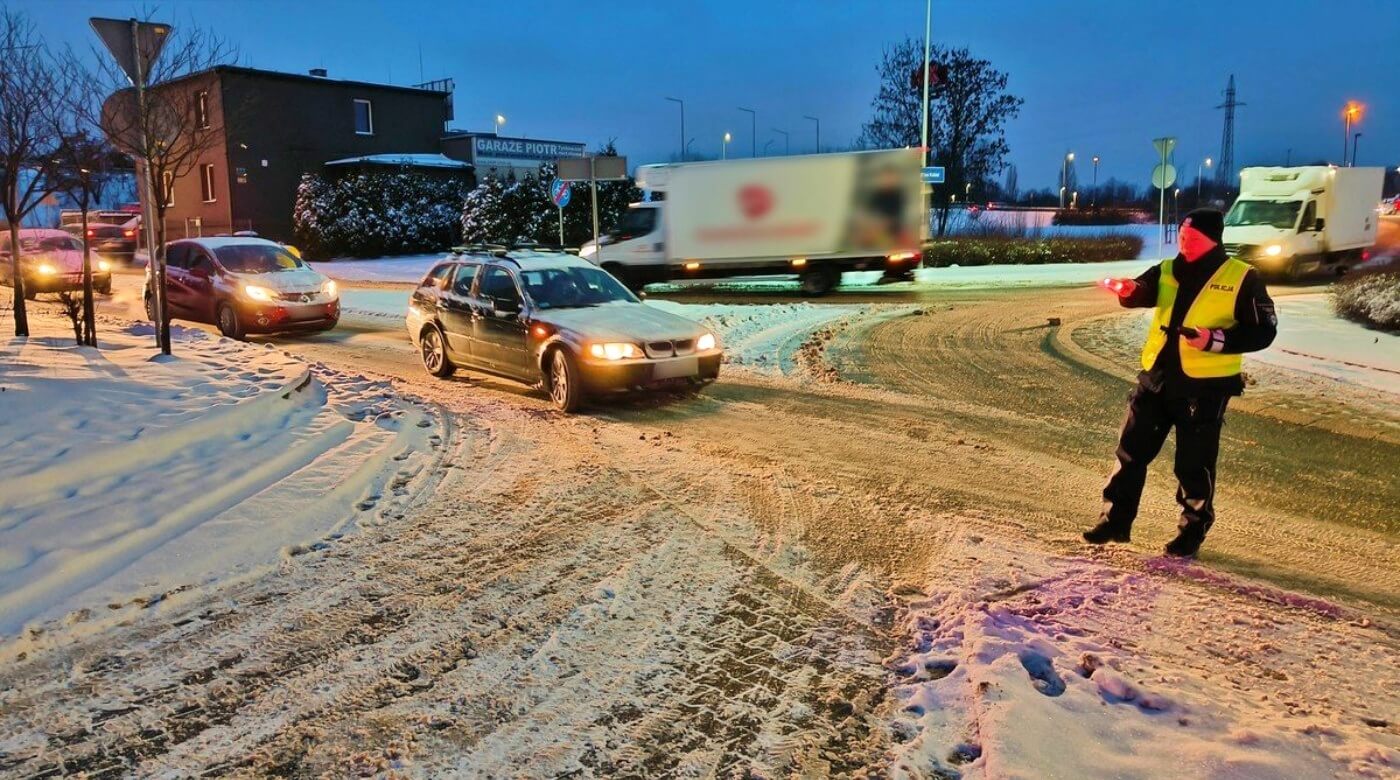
point(103, 265)
point(1273, 250)
point(588, 251)
point(46, 269)
point(256, 293)
point(328, 289)
point(614, 351)
point(705, 342)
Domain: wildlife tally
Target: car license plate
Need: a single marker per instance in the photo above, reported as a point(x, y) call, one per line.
point(670, 369)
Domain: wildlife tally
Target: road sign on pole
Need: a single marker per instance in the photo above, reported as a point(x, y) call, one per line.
point(559, 192)
point(934, 174)
point(593, 170)
point(1165, 173)
point(133, 44)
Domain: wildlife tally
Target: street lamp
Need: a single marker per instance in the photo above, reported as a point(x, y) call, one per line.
point(753, 138)
point(1354, 139)
point(1199, 170)
point(500, 120)
point(819, 131)
point(1094, 193)
point(787, 147)
point(681, 103)
point(724, 148)
point(1074, 200)
point(1064, 176)
point(767, 144)
point(1352, 113)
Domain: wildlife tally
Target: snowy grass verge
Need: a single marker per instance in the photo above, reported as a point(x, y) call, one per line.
point(1371, 299)
point(129, 476)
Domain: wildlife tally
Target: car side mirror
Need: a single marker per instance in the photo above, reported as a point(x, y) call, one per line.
point(1319, 224)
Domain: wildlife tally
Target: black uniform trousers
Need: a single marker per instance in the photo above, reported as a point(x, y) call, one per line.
point(1151, 416)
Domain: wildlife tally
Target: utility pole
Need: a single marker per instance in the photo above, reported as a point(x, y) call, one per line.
point(681, 103)
point(928, 36)
point(1227, 138)
point(819, 132)
point(1356, 138)
point(753, 137)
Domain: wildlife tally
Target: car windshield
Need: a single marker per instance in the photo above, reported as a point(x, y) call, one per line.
point(49, 244)
point(1274, 213)
point(563, 288)
point(256, 258)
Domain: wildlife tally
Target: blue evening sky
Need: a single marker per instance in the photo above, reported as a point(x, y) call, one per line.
point(1098, 76)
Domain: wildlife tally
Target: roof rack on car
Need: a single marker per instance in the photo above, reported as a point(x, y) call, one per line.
point(499, 250)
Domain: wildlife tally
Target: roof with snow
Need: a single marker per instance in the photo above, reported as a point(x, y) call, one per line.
point(405, 160)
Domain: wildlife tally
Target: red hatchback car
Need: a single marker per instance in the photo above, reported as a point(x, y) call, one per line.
point(245, 285)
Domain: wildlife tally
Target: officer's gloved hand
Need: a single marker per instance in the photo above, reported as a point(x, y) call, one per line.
point(1204, 339)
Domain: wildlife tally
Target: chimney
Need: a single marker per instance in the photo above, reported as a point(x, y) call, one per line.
point(318, 72)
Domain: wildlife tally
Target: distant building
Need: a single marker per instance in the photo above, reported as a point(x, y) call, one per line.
point(502, 157)
point(274, 127)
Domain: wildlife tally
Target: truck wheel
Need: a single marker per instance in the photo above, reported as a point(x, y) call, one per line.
point(563, 381)
point(818, 281)
point(1295, 269)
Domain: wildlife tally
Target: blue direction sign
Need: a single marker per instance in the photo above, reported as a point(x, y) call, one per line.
point(559, 192)
point(933, 174)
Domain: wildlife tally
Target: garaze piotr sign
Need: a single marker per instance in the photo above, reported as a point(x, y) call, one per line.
point(516, 150)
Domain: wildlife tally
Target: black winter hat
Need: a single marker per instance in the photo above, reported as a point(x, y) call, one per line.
point(1210, 222)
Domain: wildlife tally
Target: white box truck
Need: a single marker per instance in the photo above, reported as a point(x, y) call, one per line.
point(812, 216)
point(1290, 222)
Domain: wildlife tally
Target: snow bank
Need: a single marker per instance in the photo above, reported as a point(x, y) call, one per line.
point(129, 476)
point(1314, 339)
point(404, 268)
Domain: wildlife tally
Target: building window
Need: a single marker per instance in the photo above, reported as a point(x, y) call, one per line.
point(206, 182)
point(167, 186)
point(364, 117)
point(201, 109)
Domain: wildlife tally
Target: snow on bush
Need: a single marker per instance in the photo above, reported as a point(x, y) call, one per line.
point(1372, 300)
point(1012, 250)
point(375, 214)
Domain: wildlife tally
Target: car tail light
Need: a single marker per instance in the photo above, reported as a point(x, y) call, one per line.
point(128, 233)
point(91, 233)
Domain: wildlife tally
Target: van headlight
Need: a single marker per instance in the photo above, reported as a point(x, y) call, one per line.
point(103, 265)
point(705, 342)
point(257, 293)
point(46, 269)
point(1273, 250)
point(328, 289)
point(614, 351)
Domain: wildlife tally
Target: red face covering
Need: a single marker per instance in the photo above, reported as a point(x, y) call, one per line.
point(1194, 243)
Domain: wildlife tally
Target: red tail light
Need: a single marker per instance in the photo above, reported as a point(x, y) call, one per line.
point(128, 233)
point(91, 233)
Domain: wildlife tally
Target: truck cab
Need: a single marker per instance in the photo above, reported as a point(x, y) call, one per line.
point(634, 251)
point(1289, 222)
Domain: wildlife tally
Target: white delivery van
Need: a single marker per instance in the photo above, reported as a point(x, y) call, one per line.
point(1289, 222)
point(812, 216)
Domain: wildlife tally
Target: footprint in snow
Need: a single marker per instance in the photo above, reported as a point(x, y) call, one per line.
point(1042, 672)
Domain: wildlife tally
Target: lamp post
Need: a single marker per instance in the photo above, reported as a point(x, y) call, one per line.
point(1352, 113)
point(1199, 170)
point(1354, 139)
point(787, 146)
point(1094, 193)
point(753, 118)
point(681, 103)
point(724, 147)
point(1064, 176)
point(767, 144)
point(819, 131)
point(500, 120)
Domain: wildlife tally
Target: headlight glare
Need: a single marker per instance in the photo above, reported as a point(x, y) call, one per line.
point(103, 265)
point(705, 342)
point(1273, 250)
point(328, 289)
point(614, 351)
point(47, 270)
point(256, 293)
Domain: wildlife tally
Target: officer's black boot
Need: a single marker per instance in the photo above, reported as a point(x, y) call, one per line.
point(1108, 531)
point(1188, 540)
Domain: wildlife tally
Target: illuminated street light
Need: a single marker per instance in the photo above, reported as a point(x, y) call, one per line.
point(1064, 177)
point(1352, 114)
point(724, 148)
point(1199, 170)
point(500, 120)
point(1094, 192)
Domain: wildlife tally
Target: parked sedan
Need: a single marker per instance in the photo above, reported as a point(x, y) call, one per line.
point(245, 285)
point(555, 320)
point(51, 261)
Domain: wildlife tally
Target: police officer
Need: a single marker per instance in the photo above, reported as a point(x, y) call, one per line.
point(1210, 309)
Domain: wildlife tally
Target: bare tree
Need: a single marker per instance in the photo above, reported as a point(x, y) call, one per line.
point(168, 130)
point(32, 95)
point(967, 116)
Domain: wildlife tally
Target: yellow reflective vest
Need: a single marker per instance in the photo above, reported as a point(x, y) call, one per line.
point(1214, 307)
